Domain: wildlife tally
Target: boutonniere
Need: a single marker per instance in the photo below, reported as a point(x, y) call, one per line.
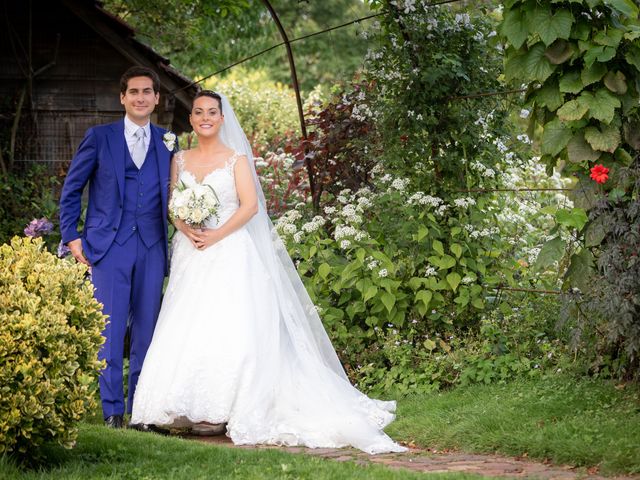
point(169, 140)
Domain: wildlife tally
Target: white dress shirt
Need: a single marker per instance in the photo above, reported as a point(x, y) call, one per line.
point(130, 130)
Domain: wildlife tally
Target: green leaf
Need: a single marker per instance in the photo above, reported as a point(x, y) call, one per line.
point(555, 137)
point(388, 300)
point(571, 82)
point(324, 270)
point(633, 32)
point(609, 38)
point(424, 296)
point(514, 27)
point(443, 263)
point(429, 344)
point(626, 7)
point(581, 30)
point(438, 247)
point(536, 65)
point(593, 73)
point(578, 150)
point(453, 279)
point(595, 233)
point(422, 232)
point(549, 96)
point(514, 64)
point(607, 54)
point(551, 27)
point(559, 52)
point(632, 134)
point(478, 303)
point(633, 56)
point(602, 105)
point(575, 218)
point(370, 292)
point(598, 53)
point(616, 82)
point(456, 249)
point(550, 252)
point(605, 139)
point(572, 110)
point(580, 270)
point(624, 157)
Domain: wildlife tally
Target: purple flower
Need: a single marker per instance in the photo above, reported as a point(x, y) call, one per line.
point(63, 250)
point(38, 227)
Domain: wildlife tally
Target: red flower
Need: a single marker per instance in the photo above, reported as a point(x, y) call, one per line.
point(404, 138)
point(600, 173)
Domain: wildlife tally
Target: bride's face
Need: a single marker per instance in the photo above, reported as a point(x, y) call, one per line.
point(206, 117)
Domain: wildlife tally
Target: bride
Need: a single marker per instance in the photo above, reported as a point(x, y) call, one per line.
point(238, 340)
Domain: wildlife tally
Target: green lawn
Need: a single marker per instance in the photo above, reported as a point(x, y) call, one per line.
point(576, 422)
point(102, 453)
point(581, 423)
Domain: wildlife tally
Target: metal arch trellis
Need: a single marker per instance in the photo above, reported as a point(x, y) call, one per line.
point(286, 42)
point(294, 76)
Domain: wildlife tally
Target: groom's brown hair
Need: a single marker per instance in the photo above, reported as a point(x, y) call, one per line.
point(138, 71)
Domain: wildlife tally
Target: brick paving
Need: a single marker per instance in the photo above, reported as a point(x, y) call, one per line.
point(426, 460)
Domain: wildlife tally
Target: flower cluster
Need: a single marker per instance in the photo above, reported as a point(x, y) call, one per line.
point(464, 202)
point(419, 198)
point(38, 227)
point(193, 205)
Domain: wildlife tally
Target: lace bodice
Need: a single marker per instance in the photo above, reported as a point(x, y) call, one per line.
point(222, 180)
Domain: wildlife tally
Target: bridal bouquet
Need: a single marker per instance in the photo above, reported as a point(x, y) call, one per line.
point(193, 205)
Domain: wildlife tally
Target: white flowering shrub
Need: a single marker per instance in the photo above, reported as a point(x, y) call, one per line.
point(409, 243)
point(388, 258)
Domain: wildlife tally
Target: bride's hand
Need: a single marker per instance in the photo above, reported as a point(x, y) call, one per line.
point(205, 237)
point(187, 231)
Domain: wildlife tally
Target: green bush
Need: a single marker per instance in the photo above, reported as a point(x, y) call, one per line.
point(50, 333)
point(25, 195)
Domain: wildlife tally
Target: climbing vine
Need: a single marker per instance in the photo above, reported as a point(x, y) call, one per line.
point(580, 63)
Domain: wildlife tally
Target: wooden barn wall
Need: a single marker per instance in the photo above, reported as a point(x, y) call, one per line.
point(79, 91)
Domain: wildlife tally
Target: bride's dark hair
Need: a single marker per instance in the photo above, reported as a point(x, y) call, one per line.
point(210, 94)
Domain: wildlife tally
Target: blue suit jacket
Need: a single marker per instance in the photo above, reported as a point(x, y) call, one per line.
point(100, 162)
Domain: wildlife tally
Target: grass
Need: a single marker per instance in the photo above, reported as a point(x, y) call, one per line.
point(103, 453)
point(575, 422)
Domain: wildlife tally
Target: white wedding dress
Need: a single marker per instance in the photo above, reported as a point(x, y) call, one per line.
point(221, 352)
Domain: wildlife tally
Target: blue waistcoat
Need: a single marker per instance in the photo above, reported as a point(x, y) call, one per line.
point(142, 207)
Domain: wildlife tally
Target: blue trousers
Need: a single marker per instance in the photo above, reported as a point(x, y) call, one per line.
point(128, 282)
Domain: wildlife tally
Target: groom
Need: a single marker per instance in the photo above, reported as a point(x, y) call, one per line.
point(124, 240)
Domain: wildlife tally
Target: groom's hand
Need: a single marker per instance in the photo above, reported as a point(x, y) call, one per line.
point(76, 250)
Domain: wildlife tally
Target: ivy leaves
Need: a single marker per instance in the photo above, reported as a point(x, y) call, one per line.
point(581, 59)
point(520, 24)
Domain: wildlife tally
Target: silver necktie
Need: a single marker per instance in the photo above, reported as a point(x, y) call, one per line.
point(138, 152)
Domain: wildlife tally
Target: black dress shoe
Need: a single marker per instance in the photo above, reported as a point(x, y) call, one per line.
point(147, 427)
point(114, 421)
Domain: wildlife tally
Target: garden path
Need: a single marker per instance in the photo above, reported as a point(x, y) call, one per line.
point(428, 460)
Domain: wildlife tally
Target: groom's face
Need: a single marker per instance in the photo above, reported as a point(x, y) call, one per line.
point(139, 99)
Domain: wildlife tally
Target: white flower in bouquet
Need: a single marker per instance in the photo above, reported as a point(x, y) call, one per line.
point(193, 205)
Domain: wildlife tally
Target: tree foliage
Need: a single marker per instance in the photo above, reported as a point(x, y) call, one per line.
point(204, 36)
